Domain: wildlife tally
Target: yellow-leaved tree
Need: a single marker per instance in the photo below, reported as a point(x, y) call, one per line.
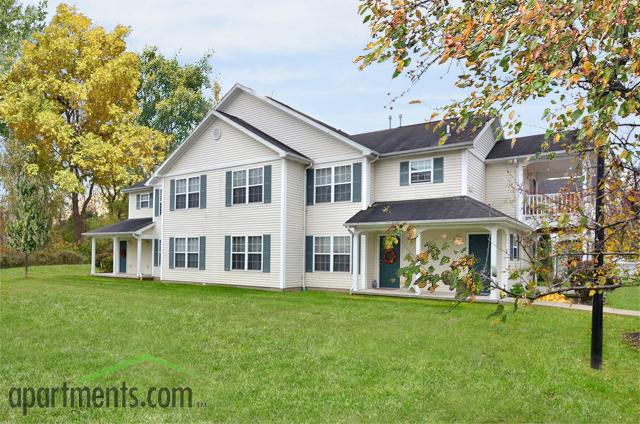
point(70, 99)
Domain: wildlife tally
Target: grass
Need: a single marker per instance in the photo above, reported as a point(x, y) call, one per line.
point(298, 357)
point(624, 298)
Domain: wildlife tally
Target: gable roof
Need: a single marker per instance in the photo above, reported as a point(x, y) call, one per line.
point(261, 134)
point(418, 137)
point(526, 146)
point(442, 208)
point(139, 186)
point(279, 147)
point(328, 129)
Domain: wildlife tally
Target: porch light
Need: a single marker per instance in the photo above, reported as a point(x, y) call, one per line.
point(458, 240)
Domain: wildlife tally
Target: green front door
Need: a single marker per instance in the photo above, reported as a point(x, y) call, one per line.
point(388, 271)
point(479, 247)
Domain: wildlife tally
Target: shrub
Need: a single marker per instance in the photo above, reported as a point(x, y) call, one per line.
point(104, 262)
point(11, 258)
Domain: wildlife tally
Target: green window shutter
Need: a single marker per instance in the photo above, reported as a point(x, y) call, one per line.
point(438, 170)
point(203, 191)
point(155, 252)
point(172, 195)
point(310, 186)
point(170, 252)
point(267, 184)
point(266, 253)
point(203, 252)
point(227, 253)
point(137, 201)
point(308, 254)
point(404, 173)
point(228, 189)
point(156, 203)
point(356, 187)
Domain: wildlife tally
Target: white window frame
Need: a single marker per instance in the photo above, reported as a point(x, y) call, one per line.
point(514, 247)
point(247, 185)
point(186, 252)
point(332, 254)
point(157, 254)
point(187, 193)
point(145, 198)
point(246, 253)
point(333, 183)
point(430, 160)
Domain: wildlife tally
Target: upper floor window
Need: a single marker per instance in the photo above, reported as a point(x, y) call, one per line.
point(159, 199)
point(420, 171)
point(333, 184)
point(248, 186)
point(187, 252)
point(144, 200)
point(246, 253)
point(188, 193)
point(332, 253)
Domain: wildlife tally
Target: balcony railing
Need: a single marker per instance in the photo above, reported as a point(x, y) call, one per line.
point(551, 204)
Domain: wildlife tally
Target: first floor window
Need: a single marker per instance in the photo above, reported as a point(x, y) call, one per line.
point(180, 252)
point(246, 253)
point(322, 254)
point(157, 252)
point(342, 254)
point(187, 252)
point(514, 246)
point(332, 253)
point(420, 171)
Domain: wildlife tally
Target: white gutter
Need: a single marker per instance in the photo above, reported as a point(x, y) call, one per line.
point(513, 221)
point(443, 148)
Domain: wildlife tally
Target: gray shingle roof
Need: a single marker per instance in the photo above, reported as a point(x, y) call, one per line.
point(261, 134)
point(126, 226)
point(417, 136)
point(136, 186)
point(525, 146)
point(459, 207)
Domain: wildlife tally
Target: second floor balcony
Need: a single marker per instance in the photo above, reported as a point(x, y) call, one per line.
point(550, 204)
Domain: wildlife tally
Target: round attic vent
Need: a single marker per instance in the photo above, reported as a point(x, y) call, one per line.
point(217, 132)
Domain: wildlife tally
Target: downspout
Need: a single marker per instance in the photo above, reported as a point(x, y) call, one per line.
point(304, 228)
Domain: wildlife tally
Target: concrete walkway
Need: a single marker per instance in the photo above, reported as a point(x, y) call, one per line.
point(485, 299)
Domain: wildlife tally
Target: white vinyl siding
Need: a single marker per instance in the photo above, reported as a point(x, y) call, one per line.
point(500, 182)
point(134, 212)
point(299, 135)
point(475, 177)
point(484, 142)
point(387, 179)
point(295, 225)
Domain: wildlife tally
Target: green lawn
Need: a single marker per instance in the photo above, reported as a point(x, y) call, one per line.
point(314, 356)
point(624, 298)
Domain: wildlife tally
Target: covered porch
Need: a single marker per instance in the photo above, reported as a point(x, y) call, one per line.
point(459, 222)
point(132, 248)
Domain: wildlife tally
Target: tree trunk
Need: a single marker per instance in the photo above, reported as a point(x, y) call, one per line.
point(26, 265)
point(77, 216)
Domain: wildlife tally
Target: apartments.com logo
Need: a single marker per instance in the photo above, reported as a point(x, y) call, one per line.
point(122, 396)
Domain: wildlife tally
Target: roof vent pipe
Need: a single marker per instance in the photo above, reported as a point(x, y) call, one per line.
point(448, 129)
point(399, 120)
point(390, 118)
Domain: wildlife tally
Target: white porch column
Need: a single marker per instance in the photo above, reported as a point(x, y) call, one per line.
point(503, 272)
point(519, 190)
point(355, 256)
point(494, 260)
point(364, 262)
point(139, 258)
point(93, 255)
point(418, 250)
point(115, 255)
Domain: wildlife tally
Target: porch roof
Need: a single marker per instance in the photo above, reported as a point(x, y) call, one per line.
point(458, 208)
point(128, 226)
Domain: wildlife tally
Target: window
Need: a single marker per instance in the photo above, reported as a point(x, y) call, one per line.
point(159, 195)
point(144, 200)
point(157, 252)
point(187, 252)
point(342, 254)
point(248, 188)
point(420, 171)
point(514, 246)
point(332, 253)
point(188, 193)
point(246, 253)
point(179, 260)
point(333, 184)
point(322, 253)
point(342, 183)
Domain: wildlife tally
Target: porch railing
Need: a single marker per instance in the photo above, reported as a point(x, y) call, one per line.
point(553, 203)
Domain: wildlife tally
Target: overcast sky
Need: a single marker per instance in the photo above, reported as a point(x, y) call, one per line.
point(298, 51)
